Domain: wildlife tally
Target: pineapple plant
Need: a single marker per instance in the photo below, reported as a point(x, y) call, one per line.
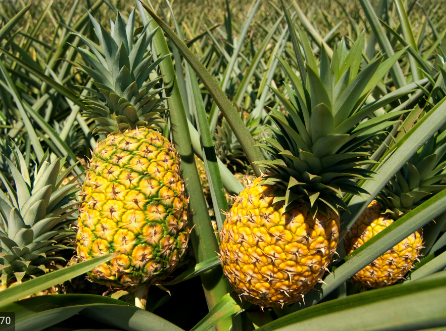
point(81, 283)
point(203, 179)
point(420, 177)
point(231, 153)
point(133, 198)
point(242, 178)
point(30, 66)
point(228, 148)
point(282, 232)
point(36, 215)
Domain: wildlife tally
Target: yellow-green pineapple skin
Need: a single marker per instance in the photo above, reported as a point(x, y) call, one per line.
point(272, 259)
point(392, 265)
point(134, 204)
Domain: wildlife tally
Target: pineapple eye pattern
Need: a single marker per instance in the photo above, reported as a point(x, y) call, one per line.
point(272, 259)
point(393, 264)
point(136, 212)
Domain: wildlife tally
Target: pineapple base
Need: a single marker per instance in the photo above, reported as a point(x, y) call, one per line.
point(134, 204)
point(392, 265)
point(272, 259)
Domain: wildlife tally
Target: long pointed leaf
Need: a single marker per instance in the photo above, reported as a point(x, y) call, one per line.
point(43, 282)
point(13, 21)
point(402, 151)
point(243, 135)
point(419, 305)
point(31, 133)
point(226, 307)
point(378, 245)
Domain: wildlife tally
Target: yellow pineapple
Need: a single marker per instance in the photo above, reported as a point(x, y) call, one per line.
point(280, 235)
point(392, 265)
point(421, 176)
point(271, 257)
point(133, 198)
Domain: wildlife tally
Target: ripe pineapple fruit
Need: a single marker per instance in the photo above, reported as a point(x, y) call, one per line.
point(35, 214)
point(133, 198)
point(421, 176)
point(280, 235)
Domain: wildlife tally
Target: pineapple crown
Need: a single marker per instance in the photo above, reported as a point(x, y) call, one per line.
point(33, 216)
point(317, 151)
point(120, 75)
point(420, 177)
point(75, 138)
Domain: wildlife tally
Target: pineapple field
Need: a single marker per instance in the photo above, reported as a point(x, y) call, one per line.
point(222, 165)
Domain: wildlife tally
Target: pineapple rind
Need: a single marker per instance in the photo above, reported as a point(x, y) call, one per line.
point(273, 258)
point(392, 265)
point(134, 204)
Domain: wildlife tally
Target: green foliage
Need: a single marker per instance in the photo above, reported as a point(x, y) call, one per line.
point(357, 77)
point(35, 217)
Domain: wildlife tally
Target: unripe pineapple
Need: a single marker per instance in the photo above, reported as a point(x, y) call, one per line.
point(133, 198)
point(282, 232)
point(421, 176)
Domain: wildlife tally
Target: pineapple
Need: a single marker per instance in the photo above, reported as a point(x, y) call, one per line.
point(281, 233)
point(35, 215)
point(421, 176)
point(133, 198)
